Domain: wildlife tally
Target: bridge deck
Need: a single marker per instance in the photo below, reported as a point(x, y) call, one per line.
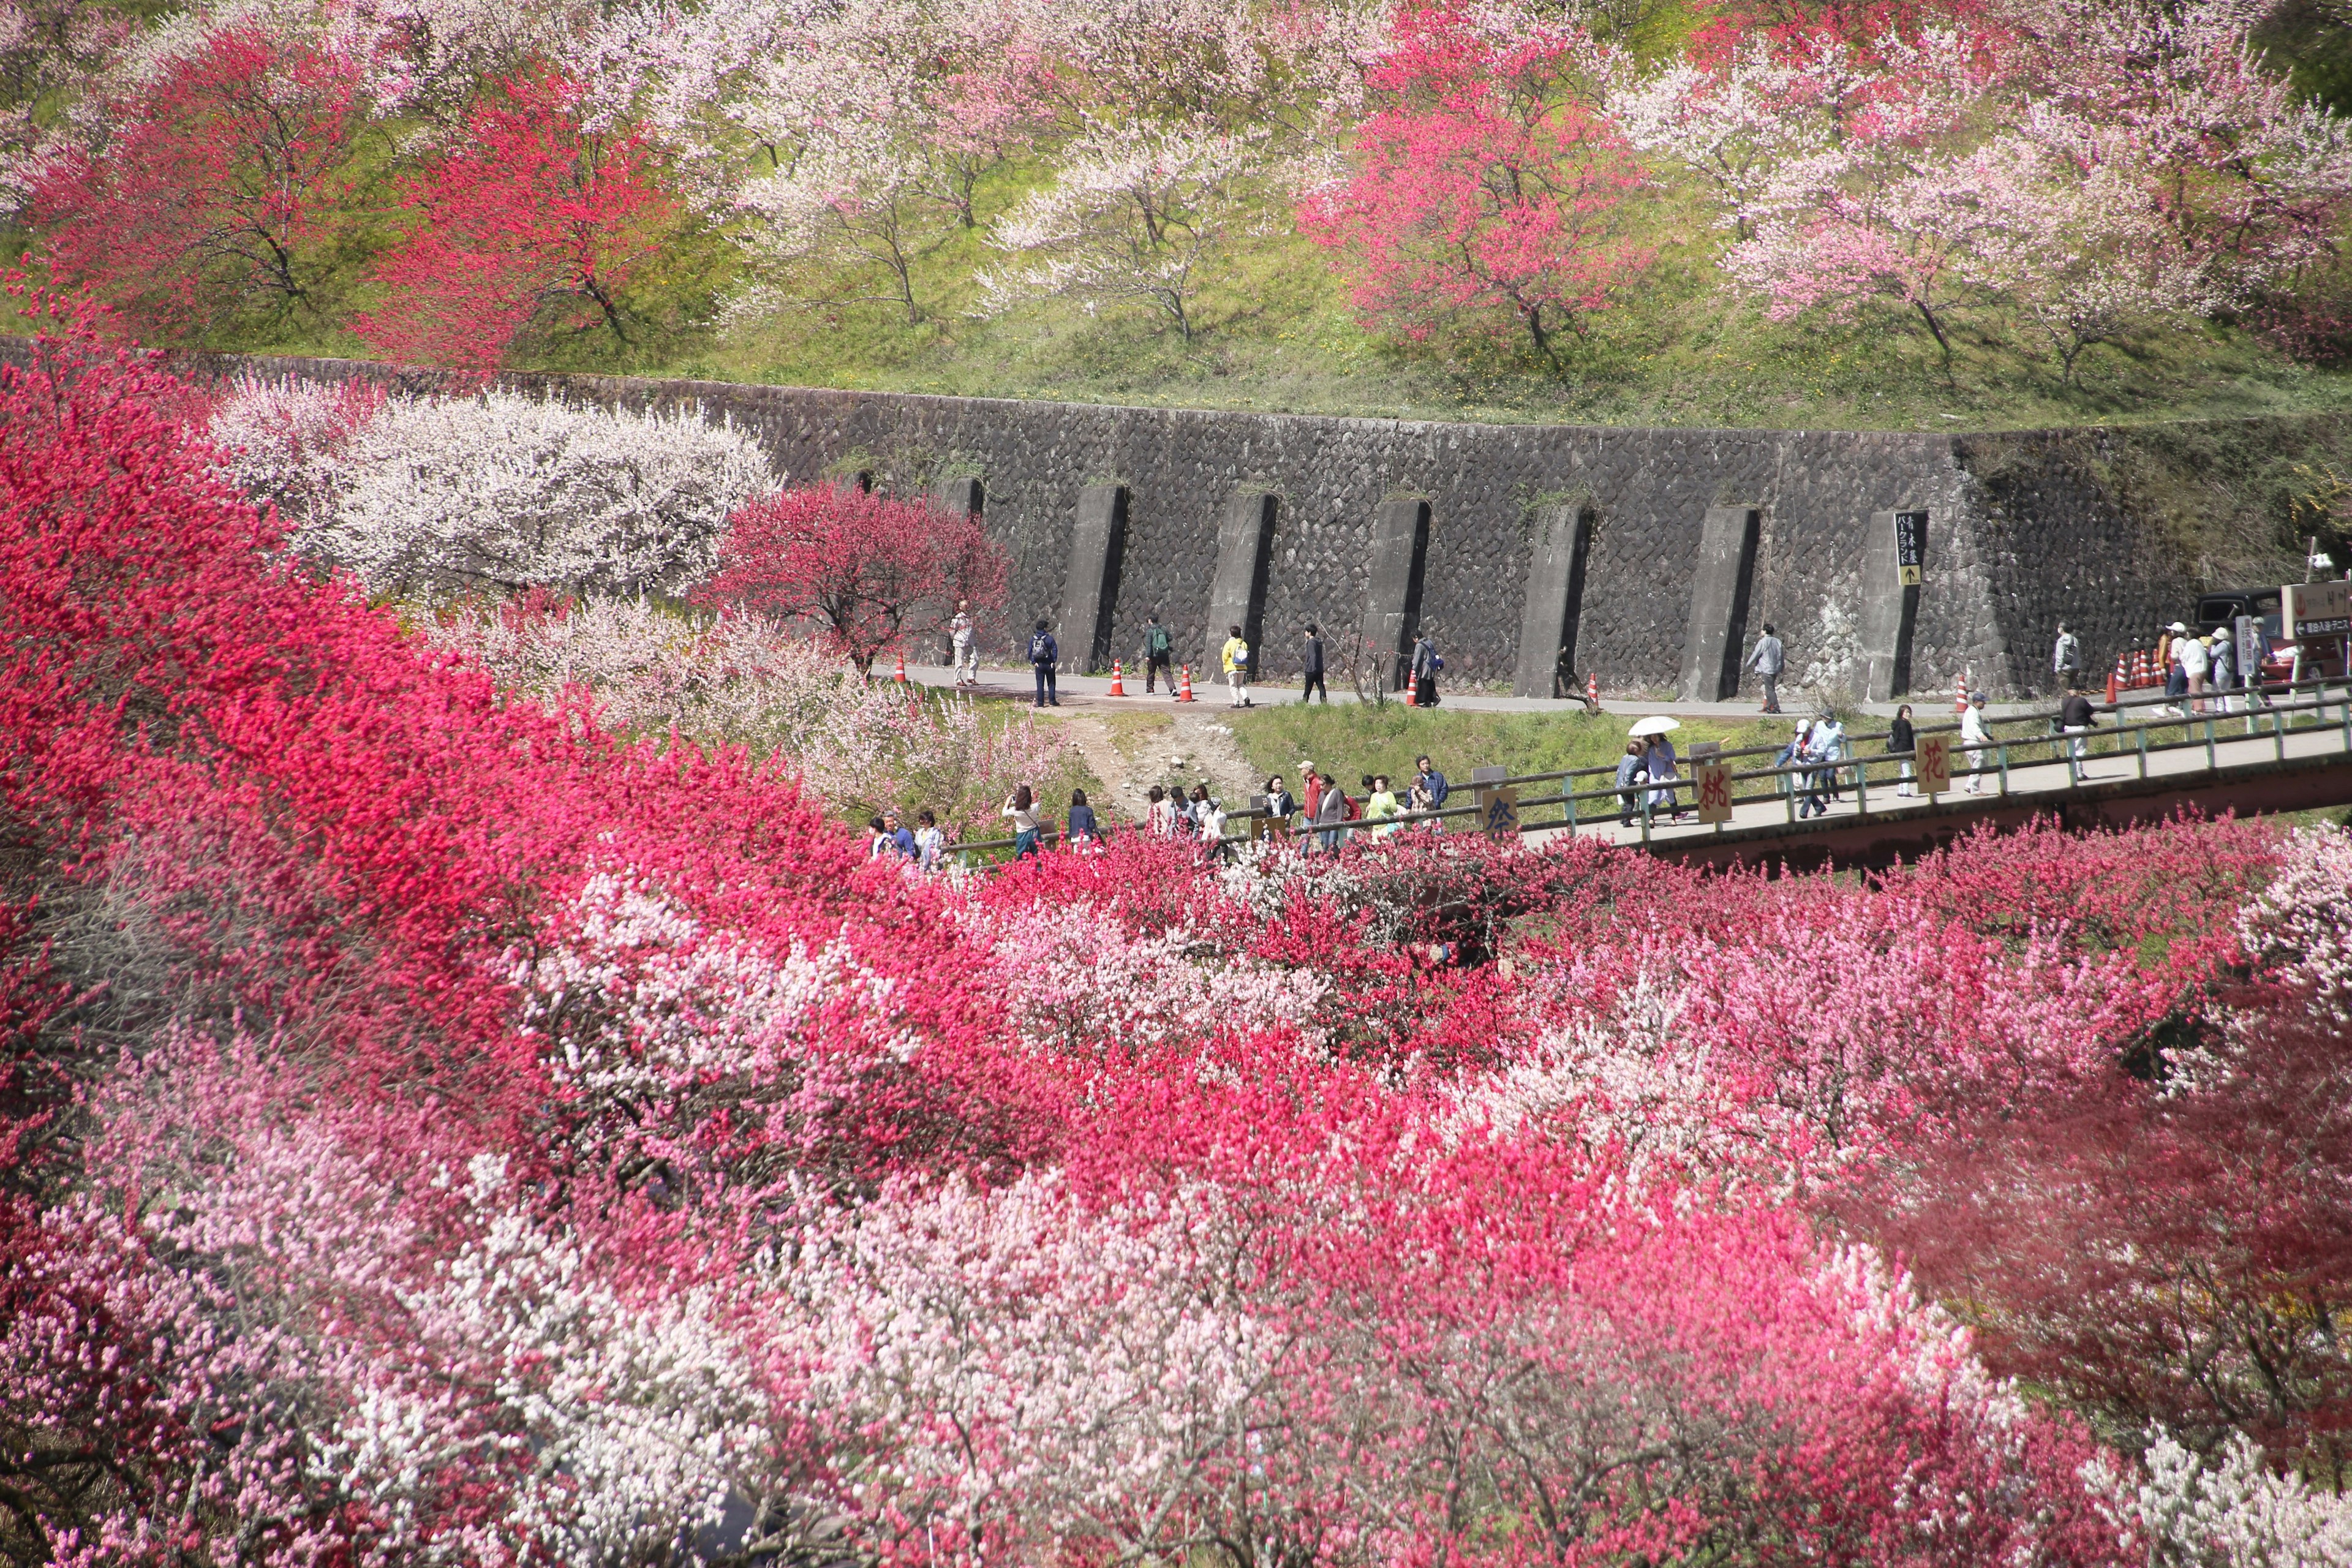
point(2298, 770)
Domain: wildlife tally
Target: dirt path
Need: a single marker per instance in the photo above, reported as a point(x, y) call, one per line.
point(1132, 750)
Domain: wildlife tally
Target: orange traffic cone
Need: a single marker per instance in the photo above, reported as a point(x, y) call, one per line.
point(1184, 694)
point(1407, 691)
point(2139, 666)
point(902, 667)
point(1960, 698)
point(1592, 692)
point(1115, 688)
point(2115, 681)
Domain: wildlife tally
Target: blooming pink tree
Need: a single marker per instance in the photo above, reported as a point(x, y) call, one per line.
point(869, 568)
point(1485, 185)
point(541, 206)
point(209, 191)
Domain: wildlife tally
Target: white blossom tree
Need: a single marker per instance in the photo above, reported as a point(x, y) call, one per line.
point(435, 496)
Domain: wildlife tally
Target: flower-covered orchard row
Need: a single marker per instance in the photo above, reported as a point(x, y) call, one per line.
point(2065, 171)
point(440, 1130)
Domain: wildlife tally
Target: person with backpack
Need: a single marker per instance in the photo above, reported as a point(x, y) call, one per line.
point(1426, 663)
point(1237, 656)
point(1632, 772)
point(1159, 647)
point(2066, 658)
point(1314, 661)
point(1044, 652)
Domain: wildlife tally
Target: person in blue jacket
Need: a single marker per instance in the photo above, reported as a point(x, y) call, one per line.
point(1044, 652)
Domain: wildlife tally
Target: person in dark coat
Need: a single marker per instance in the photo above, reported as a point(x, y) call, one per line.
point(1426, 663)
point(1312, 655)
point(1902, 741)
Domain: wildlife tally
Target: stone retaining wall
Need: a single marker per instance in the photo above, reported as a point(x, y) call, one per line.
point(2006, 556)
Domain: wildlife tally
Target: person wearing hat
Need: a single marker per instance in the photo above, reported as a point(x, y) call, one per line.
point(2175, 677)
point(2224, 678)
point(1974, 738)
point(1310, 789)
point(2196, 663)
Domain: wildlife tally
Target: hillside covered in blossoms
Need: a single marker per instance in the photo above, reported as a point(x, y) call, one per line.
point(456, 1109)
point(1875, 213)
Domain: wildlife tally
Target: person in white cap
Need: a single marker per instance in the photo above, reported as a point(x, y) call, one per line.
point(1974, 738)
point(2196, 662)
point(2176, 677)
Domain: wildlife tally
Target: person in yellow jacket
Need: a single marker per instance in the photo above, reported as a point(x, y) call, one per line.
point(1237, 663)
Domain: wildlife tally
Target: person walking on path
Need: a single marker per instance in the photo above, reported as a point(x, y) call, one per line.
point(1819, 749)
point(1158, 648)
point(1237, 657)
point(1329, 812)
point(930, 843)
point(1381, 806)
point(1313, 656)
point(1044, 652)
point(1902, 741)
point(1433, 781)
point(2074, 721)
point(1793, 754)
point(2067, 660)
point(1665, 767)
point(961, 644)
point(2167, 654)
point(1632, 772)
point(1426, 664)
point(1768, 661)
point(1020, 805)
point(2224, 676)
point(1829, 742)
point(2196, 664)
point(1974, 738)
point(1083, 827)
point(1279, 806)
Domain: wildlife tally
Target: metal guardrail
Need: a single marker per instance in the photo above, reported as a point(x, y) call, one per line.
point(2267, 711)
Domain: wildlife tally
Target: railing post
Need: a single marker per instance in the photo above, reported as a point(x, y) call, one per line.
point(2210, 763)
point(2004, 769)
point(1861, 788)
point(1645, 815)
point(2278, 731)
point(1568, 798)
point(2140, 732)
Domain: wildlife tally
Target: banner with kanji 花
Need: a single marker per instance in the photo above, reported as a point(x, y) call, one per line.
point(1934, 763)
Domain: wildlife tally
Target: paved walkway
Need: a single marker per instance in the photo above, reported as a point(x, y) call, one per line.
point(1094, 691)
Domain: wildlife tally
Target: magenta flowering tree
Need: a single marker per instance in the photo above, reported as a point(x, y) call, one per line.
point(1485, 187)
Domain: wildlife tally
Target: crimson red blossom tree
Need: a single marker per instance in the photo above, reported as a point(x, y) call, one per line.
point(542, 213)
point(867, 567)
point(211, 188)
point(1486, 186)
